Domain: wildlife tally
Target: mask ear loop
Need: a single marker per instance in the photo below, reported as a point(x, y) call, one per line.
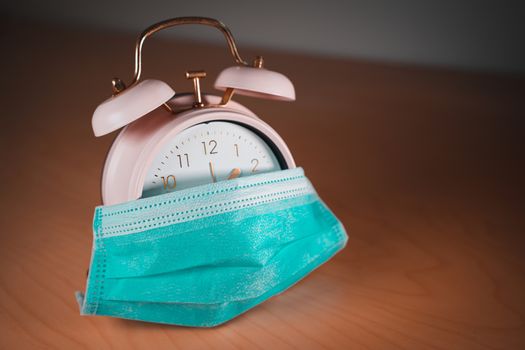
point(118, 84)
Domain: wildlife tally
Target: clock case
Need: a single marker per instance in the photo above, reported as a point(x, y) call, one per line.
point(151, 113)
point(137, 144)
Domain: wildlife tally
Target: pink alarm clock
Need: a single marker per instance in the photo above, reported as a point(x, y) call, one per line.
point(171, 142)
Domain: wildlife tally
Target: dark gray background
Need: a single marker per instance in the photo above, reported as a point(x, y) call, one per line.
point(472, 35)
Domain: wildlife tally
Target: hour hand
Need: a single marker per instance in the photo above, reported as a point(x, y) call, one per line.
point(212, 173)
point(236, 172)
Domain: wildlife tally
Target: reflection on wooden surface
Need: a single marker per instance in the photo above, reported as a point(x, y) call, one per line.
point(424, 167)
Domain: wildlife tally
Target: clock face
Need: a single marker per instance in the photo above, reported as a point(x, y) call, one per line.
point(206, 153)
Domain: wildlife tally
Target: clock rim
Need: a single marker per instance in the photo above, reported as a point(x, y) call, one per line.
point(124, 183)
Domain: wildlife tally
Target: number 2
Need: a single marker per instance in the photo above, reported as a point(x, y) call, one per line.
point(254, 162)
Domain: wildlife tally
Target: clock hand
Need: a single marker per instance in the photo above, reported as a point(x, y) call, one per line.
point(236, 172)
point(214, 179)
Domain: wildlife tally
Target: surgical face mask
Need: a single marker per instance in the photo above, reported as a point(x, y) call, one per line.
point(202, 256)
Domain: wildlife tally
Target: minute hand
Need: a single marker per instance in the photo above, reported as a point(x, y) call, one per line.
point(236, 172)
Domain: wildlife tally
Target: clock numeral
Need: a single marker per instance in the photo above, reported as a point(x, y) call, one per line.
point(255, 163)
point(212, 144)
point(236, 149)
point(180, 156)
point(169, 185)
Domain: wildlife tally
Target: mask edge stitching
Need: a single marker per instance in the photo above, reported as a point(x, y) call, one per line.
point(204, 195)
point(221, 204)
point(302, 191)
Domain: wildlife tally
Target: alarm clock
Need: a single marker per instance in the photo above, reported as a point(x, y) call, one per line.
point(170, 142)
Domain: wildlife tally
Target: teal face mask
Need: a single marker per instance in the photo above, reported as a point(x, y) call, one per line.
point(202, 256)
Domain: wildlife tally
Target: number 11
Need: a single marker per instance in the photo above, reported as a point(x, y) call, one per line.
point(187, 160)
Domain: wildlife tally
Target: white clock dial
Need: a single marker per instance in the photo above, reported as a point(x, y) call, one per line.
point(207, 153)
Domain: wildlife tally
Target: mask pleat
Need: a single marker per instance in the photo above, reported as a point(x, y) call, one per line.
point(235, 279)
point(226, 239)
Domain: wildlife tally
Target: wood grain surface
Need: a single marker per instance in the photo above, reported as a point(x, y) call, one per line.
point(425, 167)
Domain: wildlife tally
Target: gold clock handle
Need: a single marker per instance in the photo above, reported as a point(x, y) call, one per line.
point(119, 86)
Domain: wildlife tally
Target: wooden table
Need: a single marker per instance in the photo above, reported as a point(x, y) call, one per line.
point(423, 166)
